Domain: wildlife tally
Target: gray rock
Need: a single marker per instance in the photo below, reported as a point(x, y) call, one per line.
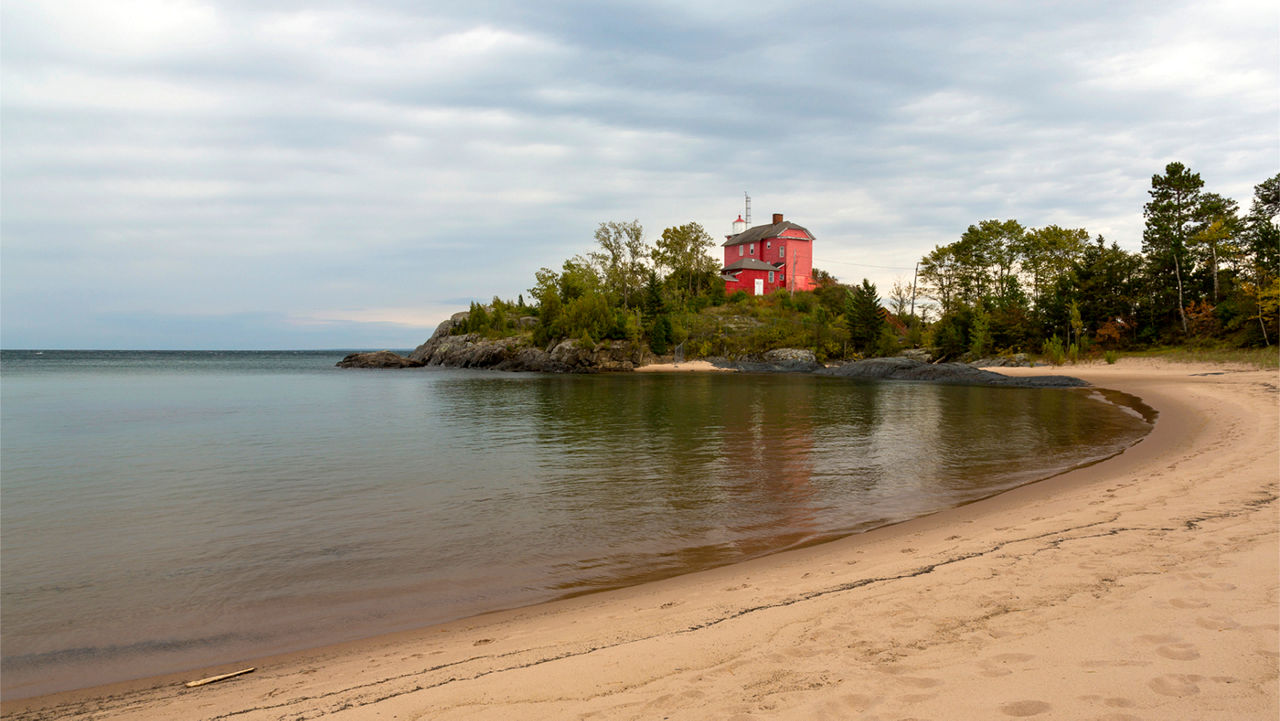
point(612, 356)
point(919, 354)
point(790, 355)
point(1019, 360)
point(779, 360)
point(907, 369)
point(378, 359)
point(516, 353)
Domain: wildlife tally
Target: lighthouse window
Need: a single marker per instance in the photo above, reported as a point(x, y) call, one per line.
point(768, 244)
point(771, 276)
point(753, 248)
point(782, 249)
point(739, 251)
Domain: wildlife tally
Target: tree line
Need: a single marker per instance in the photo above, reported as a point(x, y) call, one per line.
point(1206, 273)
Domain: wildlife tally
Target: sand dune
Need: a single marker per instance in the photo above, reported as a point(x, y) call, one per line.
point(1144, 587)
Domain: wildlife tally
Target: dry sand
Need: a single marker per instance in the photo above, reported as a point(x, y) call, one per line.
point(699, 366)
point(1144, 587)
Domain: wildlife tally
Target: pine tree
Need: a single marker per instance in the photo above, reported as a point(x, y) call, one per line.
point(1171, 217)
point(862, 315)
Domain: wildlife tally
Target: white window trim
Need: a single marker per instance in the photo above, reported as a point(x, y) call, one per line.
point(740, 250)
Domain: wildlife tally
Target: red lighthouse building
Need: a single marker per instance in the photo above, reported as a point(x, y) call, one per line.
point(760, 260)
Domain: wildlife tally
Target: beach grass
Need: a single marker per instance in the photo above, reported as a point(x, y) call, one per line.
point(1260, 358)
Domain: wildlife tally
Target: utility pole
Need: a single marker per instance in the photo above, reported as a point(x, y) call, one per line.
point(913, 288)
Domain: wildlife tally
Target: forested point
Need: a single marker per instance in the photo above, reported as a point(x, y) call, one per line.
point(1207, 275)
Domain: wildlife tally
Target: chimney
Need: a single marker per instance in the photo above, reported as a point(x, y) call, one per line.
point(777, 218)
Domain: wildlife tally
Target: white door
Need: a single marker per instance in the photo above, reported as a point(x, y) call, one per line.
point(759, 286)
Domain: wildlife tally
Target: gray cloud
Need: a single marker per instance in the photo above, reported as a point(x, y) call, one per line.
point(361, 168)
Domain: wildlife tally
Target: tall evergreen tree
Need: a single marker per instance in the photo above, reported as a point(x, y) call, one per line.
point(862, 315)
point(1261, 232)
point(1171, 214)
point(1217, 225)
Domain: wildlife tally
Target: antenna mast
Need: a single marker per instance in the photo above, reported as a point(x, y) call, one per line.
point(748, 215)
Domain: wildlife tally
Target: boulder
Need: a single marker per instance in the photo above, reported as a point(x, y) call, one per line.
point(611, 356)
point(378, 359)
point(780, 360)
point(1018, 360)
point(919, 354)
point(790, 355)
point(516, 353)
point(907, 369)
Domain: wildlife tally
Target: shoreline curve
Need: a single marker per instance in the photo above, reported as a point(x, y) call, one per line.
point(1144, 582)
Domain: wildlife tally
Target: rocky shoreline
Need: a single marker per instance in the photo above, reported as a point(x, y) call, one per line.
point(471, 350)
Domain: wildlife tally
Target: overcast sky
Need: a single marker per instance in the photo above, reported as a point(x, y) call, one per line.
point(346, 175)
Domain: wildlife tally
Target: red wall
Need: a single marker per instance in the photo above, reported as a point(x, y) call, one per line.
point(797, 254)
point(747, 282)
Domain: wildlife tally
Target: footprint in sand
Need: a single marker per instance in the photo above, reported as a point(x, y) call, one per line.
point(1179, 651)
point(860, 702)
point(999, 665)
point(1024, 708)
point(920, 681)
point(1188, 603)
point(1175, 684)
point(1217, 623)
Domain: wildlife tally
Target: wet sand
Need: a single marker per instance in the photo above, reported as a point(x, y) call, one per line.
point(1143, 587)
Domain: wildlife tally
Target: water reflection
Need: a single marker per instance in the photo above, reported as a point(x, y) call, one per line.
point(631, 477)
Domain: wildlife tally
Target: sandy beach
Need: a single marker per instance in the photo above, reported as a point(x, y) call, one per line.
point(694, 366)
point(1143, 587)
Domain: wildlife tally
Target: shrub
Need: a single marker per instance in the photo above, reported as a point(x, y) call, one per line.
point(1053, 351)
point(887, 344)
point(1111, 356)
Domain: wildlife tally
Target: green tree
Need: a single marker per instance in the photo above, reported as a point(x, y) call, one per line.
point(1262, 253)
point(684, 251)
point(1261, 232)
point(622, 262)
point(660, 336)
point(577, 279)
point(980, 334)
point(1049, 253)
point(1171, 217)
point(988, 254)
point(862, 316)
point(940, 277)
point(1217, 225)
point(1106, 282)
point(550, 325)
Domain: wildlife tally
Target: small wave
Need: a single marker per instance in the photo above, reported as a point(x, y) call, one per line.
point(116, 651)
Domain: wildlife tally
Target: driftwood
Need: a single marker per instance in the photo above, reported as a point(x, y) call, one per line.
point(222, 677)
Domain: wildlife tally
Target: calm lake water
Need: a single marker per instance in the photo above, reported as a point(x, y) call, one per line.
point(166, 510)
